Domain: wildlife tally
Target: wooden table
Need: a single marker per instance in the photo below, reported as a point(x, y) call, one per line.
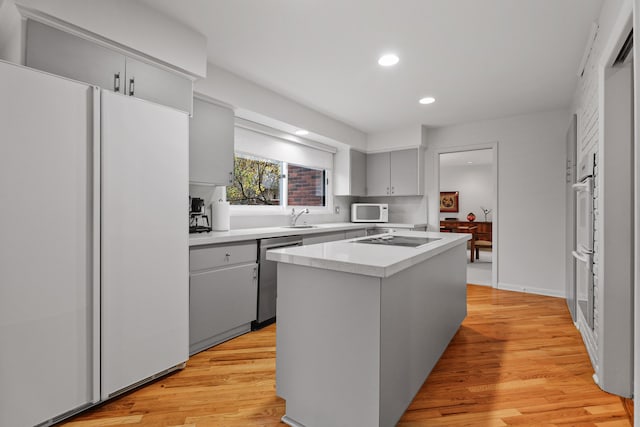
point(472, 229)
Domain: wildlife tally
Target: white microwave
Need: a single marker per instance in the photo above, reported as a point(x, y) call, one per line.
point(369, 212)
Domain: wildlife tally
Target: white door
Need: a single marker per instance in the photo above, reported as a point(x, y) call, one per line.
point(47, 362)
point(145, 313)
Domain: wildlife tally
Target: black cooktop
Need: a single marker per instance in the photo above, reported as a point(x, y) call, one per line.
point(408, 241)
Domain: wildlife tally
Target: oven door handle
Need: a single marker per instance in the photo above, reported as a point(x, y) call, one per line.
point(583, 186)
point(581, 256)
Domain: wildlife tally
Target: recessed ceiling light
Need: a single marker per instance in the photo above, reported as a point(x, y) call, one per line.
point(469, 163)
point(302, 132)
point(427, 100)
point(388, 60)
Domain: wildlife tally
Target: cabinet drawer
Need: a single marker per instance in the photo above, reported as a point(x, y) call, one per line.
point(222, 255)
point(221, 300)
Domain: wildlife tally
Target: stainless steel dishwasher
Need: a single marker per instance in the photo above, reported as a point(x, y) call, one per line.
point(268, 280)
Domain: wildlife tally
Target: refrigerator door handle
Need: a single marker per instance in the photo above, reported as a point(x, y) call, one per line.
point(116, 82)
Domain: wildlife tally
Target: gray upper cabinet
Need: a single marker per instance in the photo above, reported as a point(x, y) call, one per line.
point(211, 147)
point(154, 84)
point(358, 173)
point(350, 177)
point(396, 173)
point(404, 173)
point(64, 54)
point(378, 183)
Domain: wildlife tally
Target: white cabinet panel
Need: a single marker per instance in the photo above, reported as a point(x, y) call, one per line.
point(145, 299)
point(350, 174)
point(46, 290)
point(211, 144)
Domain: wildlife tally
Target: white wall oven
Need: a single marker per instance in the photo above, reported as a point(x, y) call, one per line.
point(583, 252)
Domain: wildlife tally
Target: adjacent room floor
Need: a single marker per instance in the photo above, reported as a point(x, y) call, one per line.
point(516, 360)
point(479, 271)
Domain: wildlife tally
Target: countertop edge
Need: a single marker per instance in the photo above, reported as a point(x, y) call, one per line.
point(243, 234)
point(371, 269)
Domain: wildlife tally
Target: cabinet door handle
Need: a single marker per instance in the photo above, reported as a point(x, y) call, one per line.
point(255, 272)
point(393, 190)
point(132, 87)
point(116, 82)
point(230, 177)
point(387, 190)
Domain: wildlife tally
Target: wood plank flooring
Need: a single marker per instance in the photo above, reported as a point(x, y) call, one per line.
point(516, 360)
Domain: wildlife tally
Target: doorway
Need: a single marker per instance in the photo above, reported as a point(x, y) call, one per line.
point(467, 181)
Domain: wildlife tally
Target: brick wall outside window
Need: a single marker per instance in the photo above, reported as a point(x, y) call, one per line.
point(306, 186)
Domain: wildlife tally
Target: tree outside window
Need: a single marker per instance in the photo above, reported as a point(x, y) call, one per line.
point(256, 181)
point(262, 182)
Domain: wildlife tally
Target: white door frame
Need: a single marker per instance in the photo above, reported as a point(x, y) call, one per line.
point(434, 200)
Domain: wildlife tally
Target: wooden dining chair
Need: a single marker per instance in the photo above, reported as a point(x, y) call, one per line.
point(482, 244)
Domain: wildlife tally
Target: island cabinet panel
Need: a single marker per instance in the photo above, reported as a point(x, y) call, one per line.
point(223, 290)
point(326, 365)
point(417, 326)
point(363, 363)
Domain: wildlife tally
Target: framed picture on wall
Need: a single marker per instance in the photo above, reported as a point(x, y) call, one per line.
point(449, 201)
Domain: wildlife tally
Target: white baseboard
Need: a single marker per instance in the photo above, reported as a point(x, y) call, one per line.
point(531, 290)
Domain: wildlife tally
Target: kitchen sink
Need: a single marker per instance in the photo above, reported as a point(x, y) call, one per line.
point(300, 226)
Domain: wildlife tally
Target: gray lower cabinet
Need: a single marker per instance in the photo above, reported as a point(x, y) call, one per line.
point(223, 288)
point(352, 234)
point(64, 54)
point(323, 237)
point(311, 239)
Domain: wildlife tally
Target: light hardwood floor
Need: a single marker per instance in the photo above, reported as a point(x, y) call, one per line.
point(516, 360)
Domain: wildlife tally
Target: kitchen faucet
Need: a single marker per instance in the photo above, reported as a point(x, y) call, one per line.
point(294, 216)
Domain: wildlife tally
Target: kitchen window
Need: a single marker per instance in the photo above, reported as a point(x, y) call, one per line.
point(265, 182)
point(272, 174)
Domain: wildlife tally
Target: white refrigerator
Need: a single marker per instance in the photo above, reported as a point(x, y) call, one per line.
point(93, 244)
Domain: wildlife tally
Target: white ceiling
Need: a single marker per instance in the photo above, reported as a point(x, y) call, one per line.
point(480, 59)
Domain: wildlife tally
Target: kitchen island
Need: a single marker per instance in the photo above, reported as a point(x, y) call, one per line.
point(362, 324)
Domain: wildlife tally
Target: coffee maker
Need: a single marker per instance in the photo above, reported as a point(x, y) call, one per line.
point(198, 219)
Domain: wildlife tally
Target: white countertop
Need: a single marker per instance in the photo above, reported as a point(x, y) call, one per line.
point(367, 259)
point(215, 237)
